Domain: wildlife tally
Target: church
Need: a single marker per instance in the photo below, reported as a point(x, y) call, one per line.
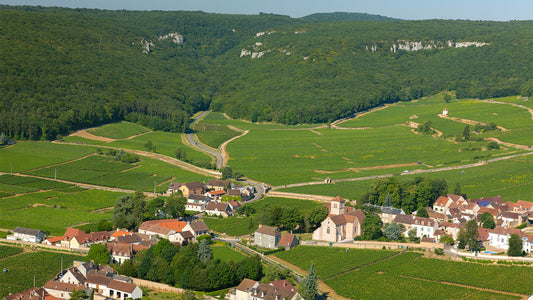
point(342, 223)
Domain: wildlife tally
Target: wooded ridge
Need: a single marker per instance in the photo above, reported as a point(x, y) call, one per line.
point(66, 69)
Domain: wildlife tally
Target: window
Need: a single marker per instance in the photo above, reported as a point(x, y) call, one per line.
point(327, 231)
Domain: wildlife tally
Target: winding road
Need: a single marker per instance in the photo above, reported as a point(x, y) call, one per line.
point(196, 144)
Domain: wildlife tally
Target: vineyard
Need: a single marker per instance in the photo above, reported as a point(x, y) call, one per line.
point(22, 269)
point(374, 274)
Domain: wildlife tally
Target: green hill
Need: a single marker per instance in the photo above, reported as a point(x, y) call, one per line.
point(346, 16)
point(66, 69)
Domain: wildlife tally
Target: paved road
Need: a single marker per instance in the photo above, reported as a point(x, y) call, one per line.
point(202, 147)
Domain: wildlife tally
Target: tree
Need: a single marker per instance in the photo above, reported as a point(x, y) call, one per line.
point(394, 231)
point(371, 227)
point(181, 154)
point(226, 172)
point(412, 235)
point(104, 225)
point(129, 210)
point(515, 245)
point(309, 285)
point(3, 139)
point(204, 251)
point(388, 201)
point(291, 218)
point(487, 220)
point(457, 189)
point(188, 295)
point(148, 145)
point(447, 98)
point(175, 206)
point(78, 295)
point(99, 254)
point(422, 212)
point(467, 236)
point(466, 133)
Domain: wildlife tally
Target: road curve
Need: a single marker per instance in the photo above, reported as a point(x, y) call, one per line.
point(196, 144)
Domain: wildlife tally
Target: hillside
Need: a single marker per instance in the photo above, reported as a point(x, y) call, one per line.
point(346, 16)
point(66, 69)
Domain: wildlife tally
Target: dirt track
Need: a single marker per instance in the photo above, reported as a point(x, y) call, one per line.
point(87, 135)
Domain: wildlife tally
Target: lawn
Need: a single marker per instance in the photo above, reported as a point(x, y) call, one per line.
point(119, 130)
point(104, 170)
point(512, 179)
point(25, 156)
point(22, 268)
point(407, 275)
point(225, 253)
point(234, 226)
point(53, 211)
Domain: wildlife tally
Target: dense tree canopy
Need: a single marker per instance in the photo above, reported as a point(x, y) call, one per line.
point(66, 69)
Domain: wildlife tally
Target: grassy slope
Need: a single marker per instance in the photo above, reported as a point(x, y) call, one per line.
point(29, 155)
point(119, 130)
point(103, 170)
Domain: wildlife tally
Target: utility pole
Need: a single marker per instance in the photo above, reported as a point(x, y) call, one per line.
point(55, 173)
point(154, 186)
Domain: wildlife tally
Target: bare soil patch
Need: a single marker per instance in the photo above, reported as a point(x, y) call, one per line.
point(314, 131)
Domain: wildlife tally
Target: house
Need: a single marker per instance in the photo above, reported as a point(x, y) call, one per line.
point(234, 194)
point(174, 187)
point(234, 205)
point(267, 237)
point(218, 185)
point(53, 241)
point(425, 227)
point(288, 241)
point(483, 237)
point(216, 195)
point(184, 237)
point(197, 202)
point(215, 208)
point(499, 237)
point(513, 219)
point(197, 228)
point(441, 204)
point(342, 223)
point(27, 235)
point(405, 220)
point(61, 290)
point(73, 237)
point(277, 290)
point(164, 228)
point(72, 275)
point(120, 252)
point(193, 188)
point(387, 213)
point(32, 294)
point(119, 232)
point(112, 288)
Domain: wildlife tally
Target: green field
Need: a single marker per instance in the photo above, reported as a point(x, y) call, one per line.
point(6, 251)
point(238, 225)
point(104, 170)
point(165, 142)
point(25, 156)
point(214, 135)
point(386, 145)
point(119, 130)
point(407, 275)
point(22, 268)
point(302, 155)
point(226, 253)
point(512, 179)
point(55, 210)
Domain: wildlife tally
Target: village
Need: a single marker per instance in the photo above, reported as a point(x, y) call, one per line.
point(496, 221)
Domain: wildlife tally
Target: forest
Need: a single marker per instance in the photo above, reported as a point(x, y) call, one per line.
point(67, 69)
